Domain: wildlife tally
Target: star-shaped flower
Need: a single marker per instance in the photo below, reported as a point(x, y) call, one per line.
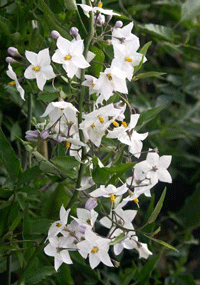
point(40, 67)
point(13, 76)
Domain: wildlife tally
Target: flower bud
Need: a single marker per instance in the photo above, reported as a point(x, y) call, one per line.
point(100, 20)
point(118, 24)
point(90, 204)
point(10, 60)
point(44, 134)
point(55, 34)
point(13, 51)
point(74, 32)
point(108, 42)
point(59, 139)
point(32, 135)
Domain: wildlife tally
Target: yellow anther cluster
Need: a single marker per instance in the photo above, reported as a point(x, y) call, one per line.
point(100, 5)
point(95, 249)
point(112, 198)
point(109, 76)
point(92, 84)
point(89, 222)
point(12, 83)
point(58, 225)
point(124, 124)
point(92, 126)
point(67, 145)
point(116, 124)
point(128, 59)
point(36, 68)
point(68, 57)
point(136, 200)
point(101, 119)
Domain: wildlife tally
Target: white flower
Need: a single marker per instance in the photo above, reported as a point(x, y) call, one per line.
point(126, 57)
point(125, 37)
point(40, 67)
point(127, 243)
point(96, 123)
point(70, 55)
point(128, 135)
point(58, 248)
point(13, 76)
point(87, 9)
point(97, 249)
point(142, 249)
point(85, 217)
point(155, 167)
point(110, 191)
point(58, 226)
point(90, 82)
point(112, 79)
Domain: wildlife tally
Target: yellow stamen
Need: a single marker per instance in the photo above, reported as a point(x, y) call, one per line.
point(36, 68)
point(116, 124)
point(112, 198)
point(136, 200)
point(109, 76)
point(100, 5)
point(92, 126)
point(95, 249)
point(92, 84)
point(68, 57)
point(58, 225)
point(89, 222)
point(67, 145)
point(101, 119)
point(124, 124)
point(128, 59)
point(12, 83)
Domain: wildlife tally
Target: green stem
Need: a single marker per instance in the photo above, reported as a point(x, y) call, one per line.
point(30, 110)
point(80, 108)
point(9, 269)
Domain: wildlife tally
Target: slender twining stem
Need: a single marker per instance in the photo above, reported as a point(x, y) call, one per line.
point(28, 127)
point(80, 106)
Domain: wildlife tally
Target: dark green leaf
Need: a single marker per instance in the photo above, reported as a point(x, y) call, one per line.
point(121, 168)
point(148, 74)
point(41, 226)
point(65, 162)
point(40, 274)
point(26, 232)
point(12, 163)
point(118, 239)
point(159, 31)
point(100, 175)
point(163, 243)
point(99, 57)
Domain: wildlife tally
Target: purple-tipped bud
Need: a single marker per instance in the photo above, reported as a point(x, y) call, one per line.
point(32, 135)
point(44, 134)
point(59, 139)
point(10, 60)
point(90, 204)
point(13, 51)
point(74, 32)
point(100, 20)
point(55, 34)
point(118, 24)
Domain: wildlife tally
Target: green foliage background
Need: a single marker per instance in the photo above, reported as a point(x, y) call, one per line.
point(166, 91)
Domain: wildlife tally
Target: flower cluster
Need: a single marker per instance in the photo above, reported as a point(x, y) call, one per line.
point(82, 132)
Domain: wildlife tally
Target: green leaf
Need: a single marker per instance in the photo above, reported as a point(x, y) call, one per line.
point(40, 274)
point(118, 239)
point(148, 267)
point(148, 74)
point(29, 175)
point(159, 31)
point(41, 226)
point(26, 231)
point(121, 168)
point(163, 243)
point(15, 131)
point(100, 175)
point(66, 162)
point(15, 222)
point(145, 48)
point(12, 163)
point(70, 5)
point(149, 115)
point(157, 209)
point(190, 9)
point(47, 97)
point(99, 57)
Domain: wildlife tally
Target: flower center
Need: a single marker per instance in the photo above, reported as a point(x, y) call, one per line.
point(154, 168)
point(128, 59)
point(67, 145)
point(124, 124)
point(92, 126)
point(116, 124)
point(95, 249)
point(68, 57)
point(101, 119)
point(109, 76)
point(112, 198)
point(92, 84)
point(100, 5)
point(136, 200)
point(36, 68)
point(58, 225)
point(89, 222)
point(12, 83)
